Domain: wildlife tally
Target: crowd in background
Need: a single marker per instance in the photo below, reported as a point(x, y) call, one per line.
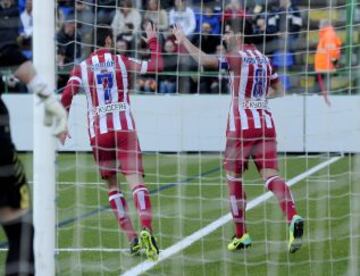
point(275, 29)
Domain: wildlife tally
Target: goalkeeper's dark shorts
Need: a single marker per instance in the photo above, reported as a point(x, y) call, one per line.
point(14, 191)
point(11, 55)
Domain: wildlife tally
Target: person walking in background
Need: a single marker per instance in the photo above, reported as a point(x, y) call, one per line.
point(328, 53)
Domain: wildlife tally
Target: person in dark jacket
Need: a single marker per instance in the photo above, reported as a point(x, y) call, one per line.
point(284, 23)
point(10, 24)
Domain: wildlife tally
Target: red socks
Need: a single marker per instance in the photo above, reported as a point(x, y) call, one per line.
point(278, 186)
point(120, 209)
point(143, 205)
point(237, 198)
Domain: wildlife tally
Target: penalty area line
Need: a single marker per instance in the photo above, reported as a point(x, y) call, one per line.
point(199, 234)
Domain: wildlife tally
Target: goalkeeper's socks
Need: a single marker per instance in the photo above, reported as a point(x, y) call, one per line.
point(143, 205)
point(237, 198)
point(118, 205)
point(280, 189)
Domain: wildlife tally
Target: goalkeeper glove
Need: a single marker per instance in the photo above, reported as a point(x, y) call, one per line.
point(55, 113)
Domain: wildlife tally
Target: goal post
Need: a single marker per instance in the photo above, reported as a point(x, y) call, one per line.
point(44, 141)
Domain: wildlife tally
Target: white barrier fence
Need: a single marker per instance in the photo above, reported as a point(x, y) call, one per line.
point(198, 122)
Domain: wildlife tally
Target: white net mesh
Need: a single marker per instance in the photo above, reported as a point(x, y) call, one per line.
point(183, 139)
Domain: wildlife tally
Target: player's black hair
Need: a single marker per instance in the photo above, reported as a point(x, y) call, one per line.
point(102, 32)
point(243, 26)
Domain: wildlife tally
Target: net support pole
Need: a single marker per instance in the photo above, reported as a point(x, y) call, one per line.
point(44, 142)
point(350, 8)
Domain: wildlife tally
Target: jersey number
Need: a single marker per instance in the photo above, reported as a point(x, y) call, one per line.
point(260, 80)
point(107, 82)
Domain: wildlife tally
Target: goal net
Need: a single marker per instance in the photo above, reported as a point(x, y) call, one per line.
point(180, 115)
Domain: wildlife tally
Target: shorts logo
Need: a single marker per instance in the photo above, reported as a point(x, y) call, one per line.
point(255, 104)
point(108, 108)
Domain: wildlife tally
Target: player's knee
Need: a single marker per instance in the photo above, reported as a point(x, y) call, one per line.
point(268, 173)
point(20, 235)
point(134, 179)
point(233, 176)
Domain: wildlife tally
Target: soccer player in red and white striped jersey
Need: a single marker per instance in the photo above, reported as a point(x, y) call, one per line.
point(250, 128)
point(104, 77)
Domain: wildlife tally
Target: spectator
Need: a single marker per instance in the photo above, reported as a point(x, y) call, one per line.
point(85, 23)
point(122, 46)
point(157, 15)
point(208, 17)
point(68, 42)
point(126, 16)
point(327, 56)
point(10, 23)
point(206, 41)
point(233, 12)
point(68, 48)
point(168, 82)
point(60, 18)
point(259, 26)
point(183, 16)
point(21, 5)
point(285, 22)
point(25, 37)
point(66, 6)
point(26, 20)
point(105, 11)
point(144, 83)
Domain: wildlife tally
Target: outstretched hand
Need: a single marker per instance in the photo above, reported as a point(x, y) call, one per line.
point(179, 34)
point(63, 136)
point(150, 31)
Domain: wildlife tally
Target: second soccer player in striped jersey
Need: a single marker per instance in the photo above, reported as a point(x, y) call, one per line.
point(250, 128)
point(104, 78)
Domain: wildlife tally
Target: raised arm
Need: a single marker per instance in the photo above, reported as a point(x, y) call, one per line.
point(199, 56)
point(156, 63)
point(72, 87)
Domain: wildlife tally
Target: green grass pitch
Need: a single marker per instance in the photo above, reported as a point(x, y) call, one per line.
point(188, 193)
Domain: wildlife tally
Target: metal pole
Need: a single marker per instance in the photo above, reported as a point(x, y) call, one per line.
point(44, 142)
point(350, 7)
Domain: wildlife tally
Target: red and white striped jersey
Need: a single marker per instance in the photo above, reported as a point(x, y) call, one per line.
point(250, 76)
point(104, 78)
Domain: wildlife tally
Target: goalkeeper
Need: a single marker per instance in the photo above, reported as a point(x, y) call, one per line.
point(15, 209)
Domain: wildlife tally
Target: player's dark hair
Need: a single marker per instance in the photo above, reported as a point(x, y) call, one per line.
point(242, 26)
point(102, 32)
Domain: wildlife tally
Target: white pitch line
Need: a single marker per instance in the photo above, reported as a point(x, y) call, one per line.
point(189, 240)
point(94, 249)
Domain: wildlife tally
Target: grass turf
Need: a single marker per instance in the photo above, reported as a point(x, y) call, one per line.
point(189, 192)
